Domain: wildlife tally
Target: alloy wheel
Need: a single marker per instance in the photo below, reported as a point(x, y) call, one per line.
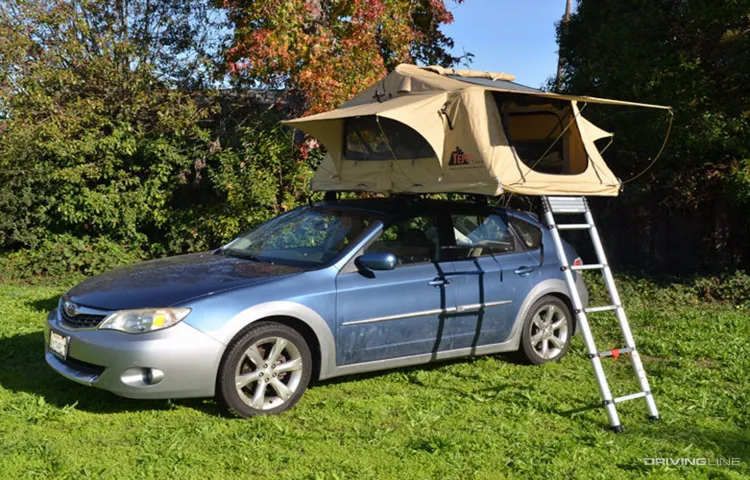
point(268, 373)
point(549, 331)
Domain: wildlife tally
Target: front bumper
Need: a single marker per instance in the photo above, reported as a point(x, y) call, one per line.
point(177, 362)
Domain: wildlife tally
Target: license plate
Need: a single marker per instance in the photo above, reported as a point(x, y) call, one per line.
point(58, 344)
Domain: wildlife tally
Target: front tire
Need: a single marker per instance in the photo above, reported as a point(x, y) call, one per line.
point(265, 370)
point(547, 331)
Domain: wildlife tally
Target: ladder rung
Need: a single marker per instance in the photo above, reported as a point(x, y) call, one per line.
point(605, 308)
point(616, 352)
point(632, 396)
point(573, 226)
point(593, 266)
point(567, 204)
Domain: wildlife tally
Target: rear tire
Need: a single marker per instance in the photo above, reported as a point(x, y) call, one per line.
point(265, 370)
point(547, 331)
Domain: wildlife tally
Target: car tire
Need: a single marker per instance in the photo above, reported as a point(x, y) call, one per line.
point(547, 331)
point(265, 370)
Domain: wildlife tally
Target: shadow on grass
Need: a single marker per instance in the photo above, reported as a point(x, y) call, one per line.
point(25, 370)
point(44, 304)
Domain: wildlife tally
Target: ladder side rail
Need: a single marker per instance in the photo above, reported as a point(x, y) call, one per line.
point(588, 339)
point(622, 320)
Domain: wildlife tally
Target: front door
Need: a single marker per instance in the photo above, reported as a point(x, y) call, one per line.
point(494, 273)
point(401, 312)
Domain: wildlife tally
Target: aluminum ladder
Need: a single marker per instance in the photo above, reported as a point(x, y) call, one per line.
point(579, 206)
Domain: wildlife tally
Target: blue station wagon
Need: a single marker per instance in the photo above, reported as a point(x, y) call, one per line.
point(325, 290)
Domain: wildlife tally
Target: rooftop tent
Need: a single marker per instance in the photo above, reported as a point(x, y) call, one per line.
point(432, 130)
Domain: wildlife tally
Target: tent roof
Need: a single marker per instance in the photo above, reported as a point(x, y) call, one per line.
point(505, 84)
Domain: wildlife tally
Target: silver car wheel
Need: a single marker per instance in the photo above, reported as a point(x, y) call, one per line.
point(549, 332)
point(268, 373)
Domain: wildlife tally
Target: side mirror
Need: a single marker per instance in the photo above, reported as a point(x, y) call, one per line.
point(377, 261)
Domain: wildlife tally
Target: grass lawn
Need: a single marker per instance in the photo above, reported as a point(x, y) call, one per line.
point(482, 418)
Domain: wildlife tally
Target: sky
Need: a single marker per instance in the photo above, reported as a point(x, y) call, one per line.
point(512, 36)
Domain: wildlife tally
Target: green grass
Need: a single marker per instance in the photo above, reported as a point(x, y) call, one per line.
point(483, 418)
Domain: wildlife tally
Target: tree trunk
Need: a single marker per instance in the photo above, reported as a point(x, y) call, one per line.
point(565, 20)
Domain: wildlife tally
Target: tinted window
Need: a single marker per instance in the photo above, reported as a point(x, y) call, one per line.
point(531, 236)
point(366, 140)
point(307, 236)
point(413, 240)
point(478, 235)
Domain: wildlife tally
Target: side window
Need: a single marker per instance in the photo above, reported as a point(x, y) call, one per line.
point(531, 236)
point(413, 240)
point(478, 235)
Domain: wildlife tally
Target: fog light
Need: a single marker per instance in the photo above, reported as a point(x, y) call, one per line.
point(152, 376)
point(142, 377)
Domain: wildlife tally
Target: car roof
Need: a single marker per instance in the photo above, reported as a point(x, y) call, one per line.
point(395, 206)
point(389, 205)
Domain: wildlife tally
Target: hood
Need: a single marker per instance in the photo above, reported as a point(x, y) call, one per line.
point(167, 281)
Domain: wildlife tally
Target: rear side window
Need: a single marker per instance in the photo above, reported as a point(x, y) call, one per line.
point(366, 140)
point(479, 235)
point(531, 236)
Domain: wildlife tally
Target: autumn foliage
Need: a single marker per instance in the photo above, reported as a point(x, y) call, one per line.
point(326, 51)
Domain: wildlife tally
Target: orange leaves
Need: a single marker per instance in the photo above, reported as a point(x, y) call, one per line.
point(326, 52)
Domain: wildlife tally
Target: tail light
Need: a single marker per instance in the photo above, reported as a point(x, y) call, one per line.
point(577, 262)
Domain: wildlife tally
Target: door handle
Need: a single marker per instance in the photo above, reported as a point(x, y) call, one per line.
point(524, 271)
point(438, 282)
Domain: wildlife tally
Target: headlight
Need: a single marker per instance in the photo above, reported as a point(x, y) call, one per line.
point(144, 320)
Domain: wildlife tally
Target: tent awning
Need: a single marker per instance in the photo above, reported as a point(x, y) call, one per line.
point(413, 109)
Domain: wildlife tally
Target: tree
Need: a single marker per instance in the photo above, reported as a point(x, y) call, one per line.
point(692, 55)
point(563, 22)
point(326, 51)
point(96, 138)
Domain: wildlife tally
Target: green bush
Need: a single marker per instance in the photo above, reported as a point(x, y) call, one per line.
point(105, 154)
point(67, 256)
point(637, 289)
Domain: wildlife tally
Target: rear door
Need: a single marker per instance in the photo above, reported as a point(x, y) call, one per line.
point(494, 272)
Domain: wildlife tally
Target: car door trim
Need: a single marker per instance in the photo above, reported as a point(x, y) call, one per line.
point(479, 306)
point(402, 316)
point(424, 313)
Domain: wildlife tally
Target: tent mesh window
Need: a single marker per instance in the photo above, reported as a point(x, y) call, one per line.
point(544, 136)
point(364, 139)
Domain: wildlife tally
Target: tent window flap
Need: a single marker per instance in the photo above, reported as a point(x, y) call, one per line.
point(364, 139)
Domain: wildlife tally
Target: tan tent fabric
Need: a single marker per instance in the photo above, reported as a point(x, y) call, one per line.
point(410, 109)
point(595, 133)
point(465, 125)
point(427, 78)
point(471, 73)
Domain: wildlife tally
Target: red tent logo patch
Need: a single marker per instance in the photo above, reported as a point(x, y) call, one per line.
point(458, 157)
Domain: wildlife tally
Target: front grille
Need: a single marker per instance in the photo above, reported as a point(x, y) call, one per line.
point(83, 367)
point(81, 320)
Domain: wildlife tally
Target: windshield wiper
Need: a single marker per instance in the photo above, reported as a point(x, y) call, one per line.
point(244, 255)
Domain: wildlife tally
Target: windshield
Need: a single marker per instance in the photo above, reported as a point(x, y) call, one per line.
point(308, 236)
